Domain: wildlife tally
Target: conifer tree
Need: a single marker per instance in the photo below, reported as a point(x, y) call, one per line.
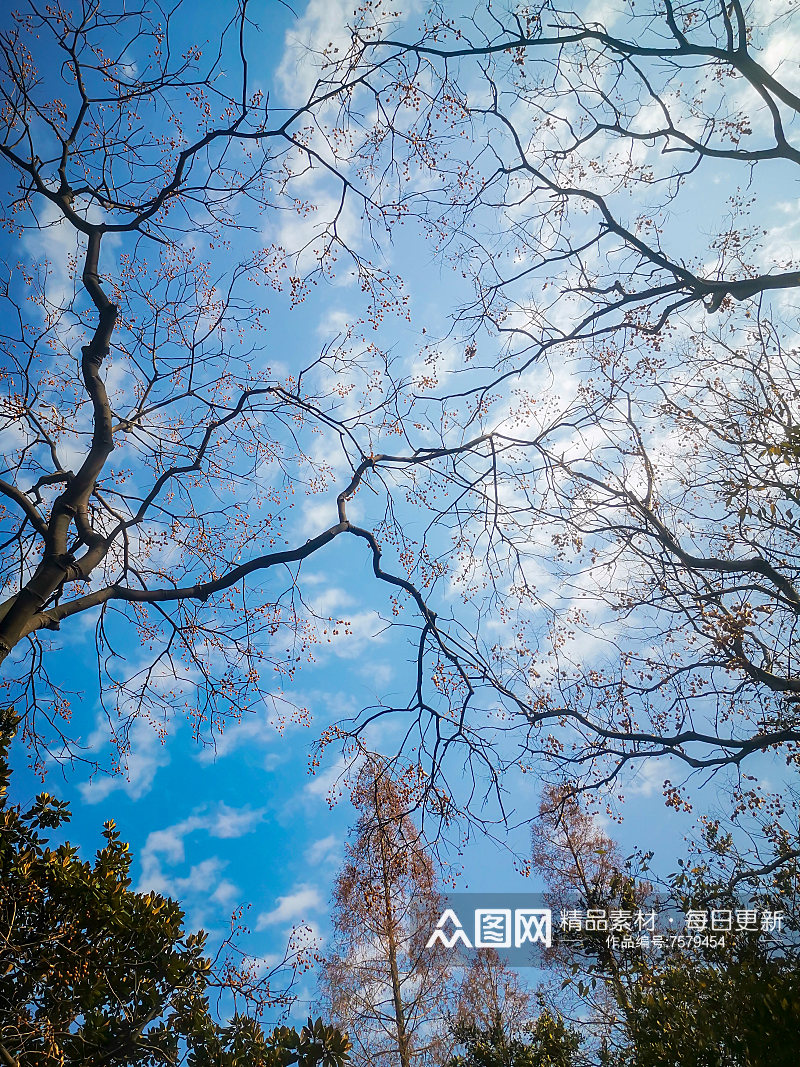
point(382, 984)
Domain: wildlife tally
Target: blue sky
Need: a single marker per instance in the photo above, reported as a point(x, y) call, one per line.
point(244, 822)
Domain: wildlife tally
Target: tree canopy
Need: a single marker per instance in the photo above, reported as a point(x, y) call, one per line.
point(92, 972)
point(572, 472)
point(596, 453)
point(693, 1001)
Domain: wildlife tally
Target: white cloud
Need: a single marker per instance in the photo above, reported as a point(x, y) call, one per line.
point(225, 894)
point(327, 783)
point(147, 754)
point(234, 822)
point(57, 242)
point(292, 908)
point(324, 22)
point(319, 515)
point(378, 674)
point(362, 628)
point(252, 729)
point(167, 846)
point(647, 779)
point(323, 25)
point(224, 822)
point(202, 878)
point(322, 851)
point(138, 739)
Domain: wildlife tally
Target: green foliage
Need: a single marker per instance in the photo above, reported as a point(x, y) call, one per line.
point(94, 973)
point(734, 1003)
point(731, 1001)
point(740, 1010)
point(545, 1042)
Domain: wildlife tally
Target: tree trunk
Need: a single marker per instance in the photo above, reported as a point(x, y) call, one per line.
point(399, 1010)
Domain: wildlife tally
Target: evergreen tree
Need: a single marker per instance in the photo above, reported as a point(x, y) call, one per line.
point(734, 1002)
point(92, 973)
point(546, 1041)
